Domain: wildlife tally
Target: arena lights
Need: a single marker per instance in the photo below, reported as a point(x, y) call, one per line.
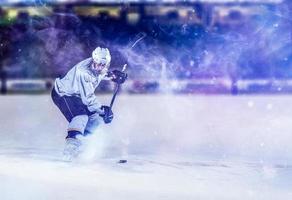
point(138, 1)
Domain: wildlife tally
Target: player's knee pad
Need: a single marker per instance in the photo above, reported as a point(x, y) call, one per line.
point(92, 124)
point(78, 123)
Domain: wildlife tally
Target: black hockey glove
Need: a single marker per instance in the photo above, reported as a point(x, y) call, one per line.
point(118, 77)
point(107, 114)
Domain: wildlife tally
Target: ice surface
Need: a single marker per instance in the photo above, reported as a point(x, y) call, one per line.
point(178, 147)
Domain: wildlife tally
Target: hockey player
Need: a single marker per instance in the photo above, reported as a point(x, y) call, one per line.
point(74, 96)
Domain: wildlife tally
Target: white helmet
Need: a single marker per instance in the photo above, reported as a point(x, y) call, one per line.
point(101, 56)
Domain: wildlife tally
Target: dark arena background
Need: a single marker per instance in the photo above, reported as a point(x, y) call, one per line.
point(219, 46)
point(204, 114)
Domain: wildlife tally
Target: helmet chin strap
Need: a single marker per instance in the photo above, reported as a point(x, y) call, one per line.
point(104, 70)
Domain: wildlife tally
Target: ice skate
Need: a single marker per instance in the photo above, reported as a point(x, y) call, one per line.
point(72, 149)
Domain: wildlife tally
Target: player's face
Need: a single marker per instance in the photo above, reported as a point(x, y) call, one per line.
point(98, 66)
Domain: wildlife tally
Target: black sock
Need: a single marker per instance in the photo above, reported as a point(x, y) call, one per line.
point(72, 134)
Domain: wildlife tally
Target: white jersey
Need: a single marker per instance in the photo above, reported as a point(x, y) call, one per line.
point(81, 81)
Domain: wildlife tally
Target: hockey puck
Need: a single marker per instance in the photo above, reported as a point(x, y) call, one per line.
point(122, 161)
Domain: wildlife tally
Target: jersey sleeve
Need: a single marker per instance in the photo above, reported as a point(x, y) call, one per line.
point(87, 94)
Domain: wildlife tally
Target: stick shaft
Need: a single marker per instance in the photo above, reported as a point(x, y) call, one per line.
point(114, 95)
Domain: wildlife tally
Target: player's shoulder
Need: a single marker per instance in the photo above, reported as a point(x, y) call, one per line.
point(84, 63)
point(83, 66)
point(83, 69)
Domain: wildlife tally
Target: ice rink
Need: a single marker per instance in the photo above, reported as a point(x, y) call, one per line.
point(178, 147)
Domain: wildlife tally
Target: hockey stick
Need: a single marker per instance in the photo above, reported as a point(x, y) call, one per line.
point(117, 88)
point(140, 36)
